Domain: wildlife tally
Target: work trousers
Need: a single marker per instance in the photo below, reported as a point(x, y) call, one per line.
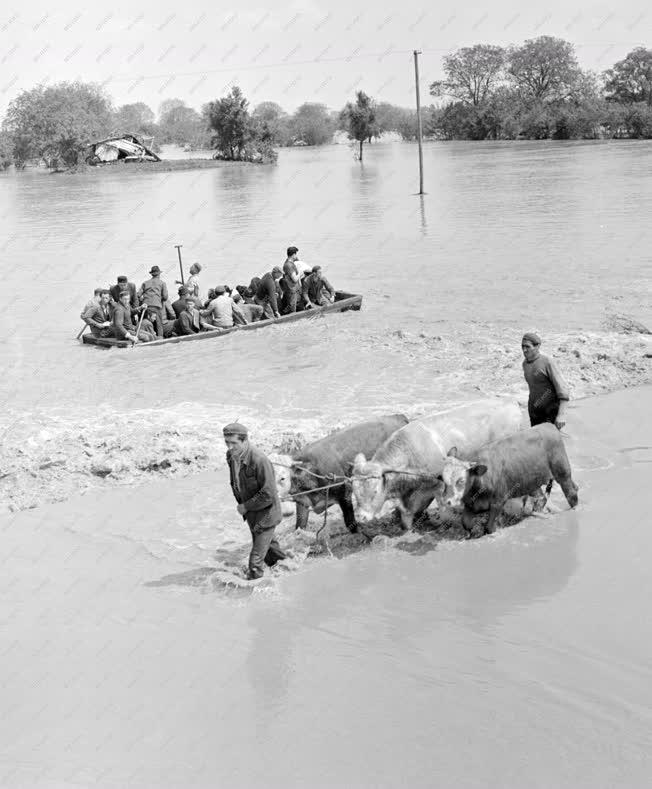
point(265, 550)
point(267, 308)
point(539, 416)
point(290, 300)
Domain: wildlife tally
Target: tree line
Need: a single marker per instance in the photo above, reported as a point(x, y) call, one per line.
point(538, 91)
point(533, 91)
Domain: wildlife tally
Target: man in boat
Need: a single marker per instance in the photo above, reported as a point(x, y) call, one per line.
point(192, 283)
point(180, 304)
point(223, 312)
point(291, 282)
point(317, 290)
point(253, 483)
point(124, 284)
point(92, 303)
point(190, 320)
point(268, 293)
point(153, 293)
point(252, 312)
point(98, 315)
point(123, 325)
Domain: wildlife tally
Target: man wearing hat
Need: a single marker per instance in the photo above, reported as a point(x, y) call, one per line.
point(253, 483)
point(268, 293)
point(124, 284)
point(152, 294)
point(317, 290)
point(548, 391)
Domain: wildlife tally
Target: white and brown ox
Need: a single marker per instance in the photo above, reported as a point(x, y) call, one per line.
point(408, 466)
point(305, 474)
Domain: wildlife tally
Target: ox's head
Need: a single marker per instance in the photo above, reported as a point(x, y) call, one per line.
point(477, 493)
point(368, 488)
point(454, 475)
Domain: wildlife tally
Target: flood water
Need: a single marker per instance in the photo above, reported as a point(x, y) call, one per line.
point(133, 659)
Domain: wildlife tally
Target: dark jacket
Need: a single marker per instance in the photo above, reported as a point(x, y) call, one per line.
point(179, 306)
point(312, 287)
point(187, 323)
point(154, 292)
point(122, 322)
point(256, 489)
point(115, 291)
point(94, 316)
point(267, 291)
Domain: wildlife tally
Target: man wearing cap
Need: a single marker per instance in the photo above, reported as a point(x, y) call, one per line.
point(268, 293)
point(291, 282)
point(222, 311)
point(253, 483)
point(124, 284)
point(98, 315)
point(317, 290)
point(152, 294)
point(180, 304)
point(548, 391)
point(123, 326)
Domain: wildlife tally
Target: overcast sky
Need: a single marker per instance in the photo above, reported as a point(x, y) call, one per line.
point(196, 50)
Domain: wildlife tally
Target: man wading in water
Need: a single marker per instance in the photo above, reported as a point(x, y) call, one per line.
point(254, 486)
point(548, 392)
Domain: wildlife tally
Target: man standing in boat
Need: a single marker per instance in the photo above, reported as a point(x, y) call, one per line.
point(291, 282)
point(317, 290)
point(124, 284)
point(153, 293)
point(253, 483)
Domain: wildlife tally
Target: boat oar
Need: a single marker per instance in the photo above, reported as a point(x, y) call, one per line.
point(178, 248)
point(83, 329)
point(140, 323)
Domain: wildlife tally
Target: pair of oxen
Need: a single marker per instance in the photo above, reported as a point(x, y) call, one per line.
point(476, 455)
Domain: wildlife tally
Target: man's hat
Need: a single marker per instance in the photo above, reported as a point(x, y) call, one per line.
point(530, 336)
point(277, 270)
point(103, 291)
point(315, 269)
point(219, 289)
point(155, 270)
point(122, 278)
point(235, 429)
point(183, 291)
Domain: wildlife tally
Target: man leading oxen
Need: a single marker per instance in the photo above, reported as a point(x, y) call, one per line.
point(308, 475)
point(408, 466)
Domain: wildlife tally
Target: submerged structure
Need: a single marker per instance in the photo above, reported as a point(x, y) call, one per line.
point(123, 147)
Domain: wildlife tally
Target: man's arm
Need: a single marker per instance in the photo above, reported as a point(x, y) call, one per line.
point(304, 291)
point(271, 293)
point(164, 292)
point(185, 325)
point(328, 287)
point(267, 492)
point(238, 315)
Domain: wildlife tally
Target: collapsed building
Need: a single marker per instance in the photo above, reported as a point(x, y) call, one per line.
point(123, 147)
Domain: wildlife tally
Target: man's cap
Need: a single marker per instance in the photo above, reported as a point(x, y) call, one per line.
point(97, 291)
point(155, 270)
point(315, 269)
point(235, 429)
point(277, 270)
point(103, 291)
point(219, 289)
point(530, 336)
point(183, 291)
point(122, 278)
point(236, 295)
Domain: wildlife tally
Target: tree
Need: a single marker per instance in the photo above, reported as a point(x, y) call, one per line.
point(135, 118)
point(312, 124)
point(229, 119)
point(183, 126)
point(630, 80)
point(390, 118)
point(544, 69)
point(359, 119)
point(270, 115)
point(58, 122)
point(169, 104)
point(471, 73)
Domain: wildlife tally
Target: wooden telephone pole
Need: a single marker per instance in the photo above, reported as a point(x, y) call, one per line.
point(417, 52)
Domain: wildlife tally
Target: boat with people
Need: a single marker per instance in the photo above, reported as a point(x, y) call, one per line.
point(342, 303)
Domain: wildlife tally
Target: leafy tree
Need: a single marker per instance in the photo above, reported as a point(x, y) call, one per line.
point(312, 124)
point(544, 68)
point(273, 120)
point(58, 122)
point(630, 80)
point(471, 73)
point(169, 104)
point(229, 119)
point(6, 150)
point(183, 126)
point(135, 118)
point(390, 118)
point(359, 119)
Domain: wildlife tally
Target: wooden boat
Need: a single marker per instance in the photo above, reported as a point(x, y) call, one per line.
point(343, 302)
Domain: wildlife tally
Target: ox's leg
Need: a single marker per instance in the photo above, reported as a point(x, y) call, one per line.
point(302, 516)
point(407, 516)
point(494, 510)
point(562, 473)
point(421, 500)
point(346, 505)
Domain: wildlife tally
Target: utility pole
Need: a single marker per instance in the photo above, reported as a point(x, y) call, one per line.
point(417, 52)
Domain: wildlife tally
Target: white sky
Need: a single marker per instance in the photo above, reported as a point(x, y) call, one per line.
point(196, 50)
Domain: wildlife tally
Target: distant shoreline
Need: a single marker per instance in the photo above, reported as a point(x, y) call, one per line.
point(164, 166)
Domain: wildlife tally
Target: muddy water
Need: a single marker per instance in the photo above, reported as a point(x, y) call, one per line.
point(520, 658)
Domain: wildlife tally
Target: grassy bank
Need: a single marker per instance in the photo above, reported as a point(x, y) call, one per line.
point(165, 166)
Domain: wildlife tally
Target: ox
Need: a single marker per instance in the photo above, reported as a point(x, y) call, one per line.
point(516, 466)
point(329, 459)
point(408, 465)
